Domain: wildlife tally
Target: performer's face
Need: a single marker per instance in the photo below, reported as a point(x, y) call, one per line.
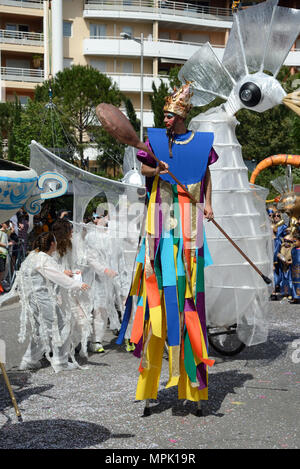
point(169, 119)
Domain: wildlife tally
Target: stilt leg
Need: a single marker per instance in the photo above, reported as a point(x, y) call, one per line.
point(13, 399)
point(147, 411)
point(199, 412)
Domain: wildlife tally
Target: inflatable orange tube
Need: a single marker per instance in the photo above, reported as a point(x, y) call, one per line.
point(275, 160)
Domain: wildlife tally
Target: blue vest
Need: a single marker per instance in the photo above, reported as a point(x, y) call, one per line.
point(189, 161)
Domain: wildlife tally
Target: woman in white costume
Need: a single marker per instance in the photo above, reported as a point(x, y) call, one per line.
point(103, 257)
point(76, 307)
point(36, 283)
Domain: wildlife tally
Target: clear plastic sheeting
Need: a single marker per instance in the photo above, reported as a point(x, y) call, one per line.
point(130, 161)
point(125, 205)
point(124, 200)
point(254, 25)
point(208, 76)
point(95, 249)
point(235, 292)
point(284, 31)
point(282, 184)
point(260, 39)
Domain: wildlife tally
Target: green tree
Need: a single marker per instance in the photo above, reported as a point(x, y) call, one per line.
point(76, 93)
point(131, 114)
point(173, 77)
point(157, 100)
point(37, 123)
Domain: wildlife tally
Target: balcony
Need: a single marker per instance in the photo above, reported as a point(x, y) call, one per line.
point(23, 3)
point(30, 75)
point(163, 48)
point(160, 10)
point(21, 38)
point(131, 82)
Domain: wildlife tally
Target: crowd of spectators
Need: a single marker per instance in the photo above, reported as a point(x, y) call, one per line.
point(286, 237)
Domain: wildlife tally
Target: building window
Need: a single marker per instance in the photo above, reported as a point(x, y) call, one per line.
point(197, 38)
point(164, 35)
point(127, 30)
point(18, 63)
point(68, 62)
point(17, 27)
point(97, 30)
point(98, 64)
point(67, 29)
point(127, 67)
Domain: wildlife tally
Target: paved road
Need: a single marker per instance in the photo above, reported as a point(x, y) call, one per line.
point(254, 399)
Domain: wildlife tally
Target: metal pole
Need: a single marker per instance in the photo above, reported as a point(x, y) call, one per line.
point(142, 90)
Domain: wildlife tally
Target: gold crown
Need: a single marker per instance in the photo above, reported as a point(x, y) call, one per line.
point(179, 101)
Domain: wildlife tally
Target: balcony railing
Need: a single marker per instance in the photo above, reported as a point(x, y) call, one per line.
point(22, 74)
point(162, 7)
point(20, 37)
point(23, 3)
point(169, 41)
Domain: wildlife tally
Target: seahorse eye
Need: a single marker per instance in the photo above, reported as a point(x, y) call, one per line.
point(250, 94)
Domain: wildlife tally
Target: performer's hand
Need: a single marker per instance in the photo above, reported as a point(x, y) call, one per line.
point(110, 273)
point(208, 212)
point(84, 286)
point(162, 168)
point(69, 273)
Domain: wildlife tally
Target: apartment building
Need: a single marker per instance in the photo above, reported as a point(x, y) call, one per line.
point(38, 38)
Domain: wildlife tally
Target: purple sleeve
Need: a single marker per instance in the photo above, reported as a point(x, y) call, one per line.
point(212, 157)
point(145, 158)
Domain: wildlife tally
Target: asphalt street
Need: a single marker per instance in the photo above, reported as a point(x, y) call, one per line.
point(254, 398)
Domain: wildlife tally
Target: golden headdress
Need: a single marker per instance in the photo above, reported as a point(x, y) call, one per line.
point(179, 101)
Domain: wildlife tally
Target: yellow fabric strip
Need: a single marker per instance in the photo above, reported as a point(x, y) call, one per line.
point(136, 280)
point(151, 207)
point(174, 365)
point(156, 319)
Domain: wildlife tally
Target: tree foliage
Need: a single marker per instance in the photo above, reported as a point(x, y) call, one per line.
point(157, 100)
point(76, 93)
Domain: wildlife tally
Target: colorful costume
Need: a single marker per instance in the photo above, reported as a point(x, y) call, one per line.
point(169, 277)
point(295, 269)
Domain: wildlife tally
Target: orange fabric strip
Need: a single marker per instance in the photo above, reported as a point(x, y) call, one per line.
point(153, 294)
point(185, 208)
point(138, 325)
point(195, 333)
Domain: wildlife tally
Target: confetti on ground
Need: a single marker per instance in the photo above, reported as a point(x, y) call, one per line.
point(237, 403)
point(172, 441)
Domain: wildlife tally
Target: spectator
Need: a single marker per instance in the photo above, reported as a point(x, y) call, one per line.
point(279, 229)
point(63, 214)
point(295, 269)
point(285, 261)
point(23, 226)
point(3, 252)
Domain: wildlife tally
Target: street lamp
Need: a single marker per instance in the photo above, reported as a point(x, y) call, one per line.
point(141, 42)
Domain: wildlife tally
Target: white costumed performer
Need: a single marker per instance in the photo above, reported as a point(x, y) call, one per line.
point(36, 283)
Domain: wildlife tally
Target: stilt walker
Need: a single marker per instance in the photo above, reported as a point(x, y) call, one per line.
point(169, 278)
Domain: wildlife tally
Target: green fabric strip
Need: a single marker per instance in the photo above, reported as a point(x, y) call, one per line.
point(200, 274)
point(181, 292)
point(189, 361)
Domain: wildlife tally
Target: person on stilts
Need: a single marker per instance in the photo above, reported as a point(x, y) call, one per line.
point(169, 276)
